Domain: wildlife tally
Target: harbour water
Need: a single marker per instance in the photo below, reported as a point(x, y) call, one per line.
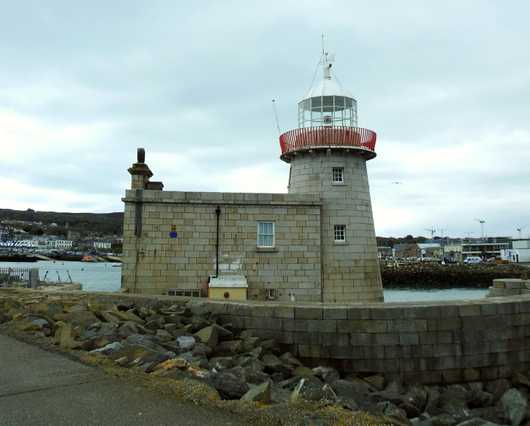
point(102, 276)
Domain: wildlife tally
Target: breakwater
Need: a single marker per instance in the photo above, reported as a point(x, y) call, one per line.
point(433, 275)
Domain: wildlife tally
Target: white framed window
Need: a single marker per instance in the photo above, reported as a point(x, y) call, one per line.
point(266, 234)
point(340, 233)
point(338, 174)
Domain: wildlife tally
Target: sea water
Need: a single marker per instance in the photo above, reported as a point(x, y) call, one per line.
point(103, 276)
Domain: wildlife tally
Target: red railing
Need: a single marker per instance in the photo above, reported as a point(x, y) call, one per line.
point(327, 137)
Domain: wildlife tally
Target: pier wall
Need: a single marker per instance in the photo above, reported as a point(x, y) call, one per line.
point(441, 342)
point(427, 343)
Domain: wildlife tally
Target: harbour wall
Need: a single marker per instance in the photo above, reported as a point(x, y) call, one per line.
point(443, 342)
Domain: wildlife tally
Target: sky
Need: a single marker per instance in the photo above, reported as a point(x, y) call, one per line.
point(446, 86)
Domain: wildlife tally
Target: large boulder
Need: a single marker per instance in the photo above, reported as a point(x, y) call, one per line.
point(64, 336)
point(312, 389)
point(515, 405)
point(109, 348)
point(208, 335)
point(185, 343)
point(327, 374)
point(229, 347)
point(260, 393)
point(231, 384)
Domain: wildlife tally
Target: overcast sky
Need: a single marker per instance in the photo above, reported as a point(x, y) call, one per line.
point(446, 85)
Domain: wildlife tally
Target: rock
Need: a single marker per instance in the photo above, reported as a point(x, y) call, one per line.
point(172, 363)
point(279, 395)
point(415, 401)
point(394, 387)
point(250, 343)
point(493, 414)
point(497, 388)
point(270, 345)
point(104, 328)
point(273, 365)
point(443, 420)
point(185, 343)
point(261, 393)
point(200, 349)
point(197, 308)
point(171, 328)
point(64, 337)
point(229, 347)
point(34, 324)
point(208, 335)
point(255, 376)
point(310, 389)
point(377, 381)
point(477, 422)
point(398, 415)
point(49, 309)
point(327, 374)
point(303, 372)
point(514, 404)
point(288, 358)
point(479, 398)
point(128, 316)
point(163, 335)
point(109, 348)
point(256, 352)
point(221, 363)
point(230, 384)
point(452, 401)
point(521, 379)
point(79, 318)
point(422, 420)
point(128, 328)
point(351, 389)
point(109, 316)
point(149, 342)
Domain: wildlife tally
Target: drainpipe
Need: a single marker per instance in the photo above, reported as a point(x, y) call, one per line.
point(217, 214)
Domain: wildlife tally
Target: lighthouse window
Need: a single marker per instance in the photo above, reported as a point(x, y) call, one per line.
point(338, 174)
point(265, 234)
point(340, 233)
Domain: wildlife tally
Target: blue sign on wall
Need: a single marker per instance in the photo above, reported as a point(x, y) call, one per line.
point(173, 234)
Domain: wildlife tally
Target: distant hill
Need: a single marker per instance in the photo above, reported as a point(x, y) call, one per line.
point(84, 223)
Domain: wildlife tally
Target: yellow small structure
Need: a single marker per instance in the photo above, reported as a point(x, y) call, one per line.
point(228, 287)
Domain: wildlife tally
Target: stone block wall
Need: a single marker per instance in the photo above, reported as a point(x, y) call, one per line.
point(509, 287)
point(155, 262)
point(351, 268)
point(417, 342)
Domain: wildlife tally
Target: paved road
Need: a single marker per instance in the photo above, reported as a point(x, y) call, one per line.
point(43, 388)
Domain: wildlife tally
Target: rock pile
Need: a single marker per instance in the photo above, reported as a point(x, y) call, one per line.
point(186, 341)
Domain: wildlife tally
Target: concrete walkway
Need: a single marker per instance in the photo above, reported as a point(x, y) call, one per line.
point(44, 388)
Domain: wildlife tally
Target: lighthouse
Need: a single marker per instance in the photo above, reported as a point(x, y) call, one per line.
point(327, 154)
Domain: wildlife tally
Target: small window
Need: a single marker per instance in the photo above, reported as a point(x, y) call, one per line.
point(340, 233)
point(265, 234)
point(338, 174)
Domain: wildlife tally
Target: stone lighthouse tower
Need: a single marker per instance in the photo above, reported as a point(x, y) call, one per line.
point(327, 154)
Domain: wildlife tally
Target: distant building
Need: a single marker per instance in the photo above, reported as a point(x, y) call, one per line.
point(102, 245)
point(430, 250)
point(62, 244)
point(521, 250)
point(406, 250)
point(485, 248)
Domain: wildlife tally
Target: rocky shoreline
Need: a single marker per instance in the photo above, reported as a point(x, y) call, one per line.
point(428, 275)
point(181, 347)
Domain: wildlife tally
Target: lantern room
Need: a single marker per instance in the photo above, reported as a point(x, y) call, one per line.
point(327, 103)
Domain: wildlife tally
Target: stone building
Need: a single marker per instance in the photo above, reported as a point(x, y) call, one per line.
point(315, 243)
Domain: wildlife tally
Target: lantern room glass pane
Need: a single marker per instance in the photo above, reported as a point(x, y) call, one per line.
point(327, 111)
